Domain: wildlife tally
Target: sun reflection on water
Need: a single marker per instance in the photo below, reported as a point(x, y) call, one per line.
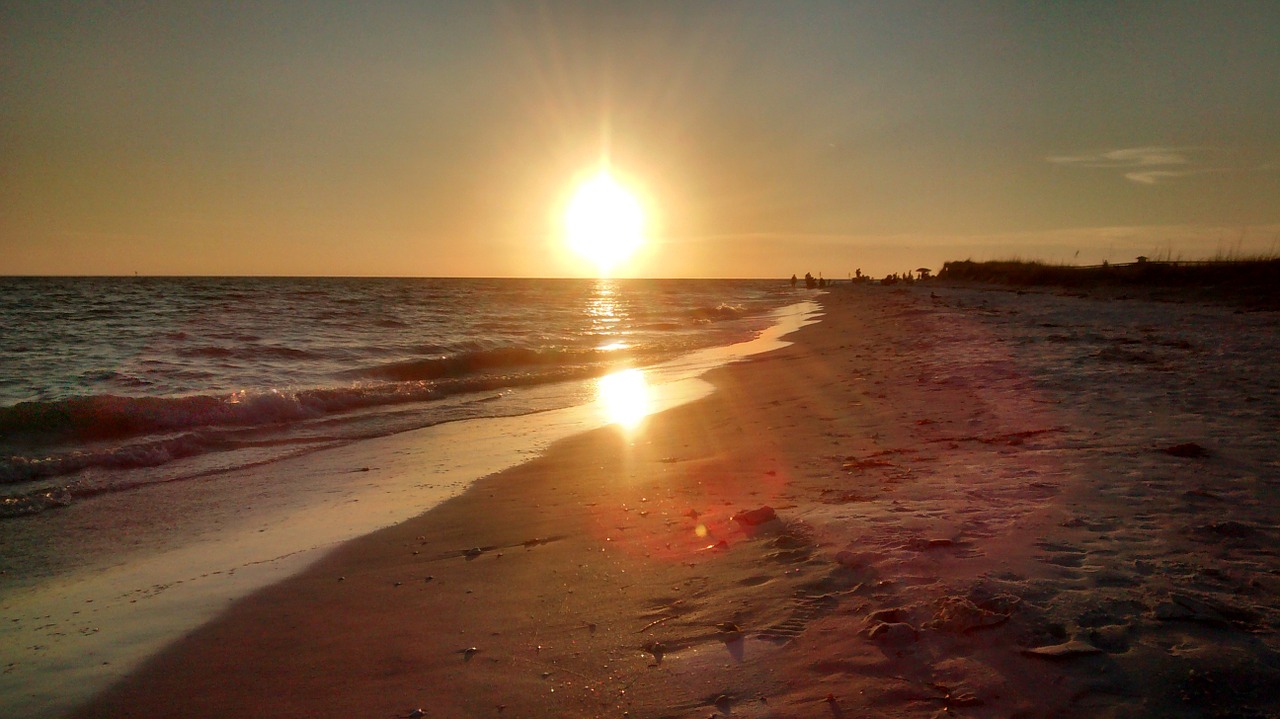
point(603, 308)
point(624, 397)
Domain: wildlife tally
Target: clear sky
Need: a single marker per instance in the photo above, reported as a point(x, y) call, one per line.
point(445, 138)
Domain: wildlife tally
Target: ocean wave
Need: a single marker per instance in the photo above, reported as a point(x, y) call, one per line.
point(480, 361)
point(250, 352)
point(662, 326)
point(722, 311)
point(17, 469)
point(108, 416)
point(152, 431)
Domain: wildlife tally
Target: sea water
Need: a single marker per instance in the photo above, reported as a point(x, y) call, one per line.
point(168, 445)
point(184, 377)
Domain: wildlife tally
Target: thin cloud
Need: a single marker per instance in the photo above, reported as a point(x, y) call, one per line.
point(1148, 165)
point(1128, 157)
point(1155, 177)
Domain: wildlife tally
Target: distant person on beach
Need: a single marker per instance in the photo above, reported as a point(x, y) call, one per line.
point(793, 281)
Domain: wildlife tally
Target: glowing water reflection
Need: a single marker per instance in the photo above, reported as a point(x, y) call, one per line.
point(606, 315)
point(625, 397)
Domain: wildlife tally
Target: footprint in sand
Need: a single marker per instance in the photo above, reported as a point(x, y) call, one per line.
point(812, 601)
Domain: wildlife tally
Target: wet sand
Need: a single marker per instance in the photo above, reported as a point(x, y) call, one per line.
point(978, 504)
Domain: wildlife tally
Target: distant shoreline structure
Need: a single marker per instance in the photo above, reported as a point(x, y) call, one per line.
point(1253, 281)
point(1141, 272)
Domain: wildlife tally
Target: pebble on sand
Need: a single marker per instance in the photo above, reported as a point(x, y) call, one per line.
point(657, 649)
point(753, 517)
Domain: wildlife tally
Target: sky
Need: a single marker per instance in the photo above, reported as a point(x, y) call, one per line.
point(761, 138)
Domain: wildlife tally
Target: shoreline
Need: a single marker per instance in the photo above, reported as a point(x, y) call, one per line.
point(258, 525)
point(973, 513)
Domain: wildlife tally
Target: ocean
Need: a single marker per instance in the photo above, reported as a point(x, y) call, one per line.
point(108, 384)
point(168, 445)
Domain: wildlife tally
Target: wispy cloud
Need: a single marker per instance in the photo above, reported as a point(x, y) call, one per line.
point(1155, 177)
point(1147, 165)
point(1128, 157)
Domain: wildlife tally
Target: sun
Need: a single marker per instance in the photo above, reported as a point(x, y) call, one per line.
point(604, 222)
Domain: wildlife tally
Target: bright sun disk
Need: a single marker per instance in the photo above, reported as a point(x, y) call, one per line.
point(604, 222)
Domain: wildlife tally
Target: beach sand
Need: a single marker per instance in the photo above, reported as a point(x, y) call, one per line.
point(949, 505)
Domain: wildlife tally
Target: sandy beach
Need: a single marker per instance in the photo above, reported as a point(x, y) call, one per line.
point(936, 502)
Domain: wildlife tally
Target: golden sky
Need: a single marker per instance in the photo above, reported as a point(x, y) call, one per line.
point(444, 139)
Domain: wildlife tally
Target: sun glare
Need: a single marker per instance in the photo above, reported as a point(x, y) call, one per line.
point(624, 397)
point(604, 222)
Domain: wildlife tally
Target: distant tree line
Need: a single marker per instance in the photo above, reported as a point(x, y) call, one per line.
point(1236, 273)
